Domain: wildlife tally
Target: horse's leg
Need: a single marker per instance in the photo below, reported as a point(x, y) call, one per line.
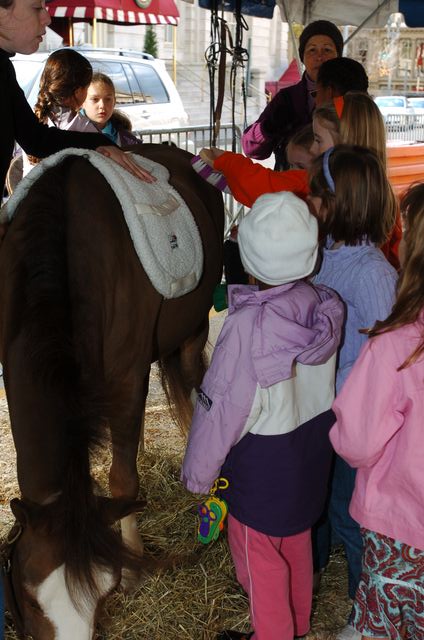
point(126, 434)
point(182, 371)
point(192, 360)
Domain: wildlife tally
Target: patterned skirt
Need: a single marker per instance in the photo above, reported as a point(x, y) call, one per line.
point(389, 602)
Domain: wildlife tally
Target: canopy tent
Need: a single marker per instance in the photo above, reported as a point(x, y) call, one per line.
point(372, 13)
point(116, 11)
point(289, 77)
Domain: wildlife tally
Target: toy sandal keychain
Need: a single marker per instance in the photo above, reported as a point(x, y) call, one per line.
point(212, 514)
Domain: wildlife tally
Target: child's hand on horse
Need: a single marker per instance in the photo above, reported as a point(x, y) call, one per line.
point(126, 161)
point(210, 155)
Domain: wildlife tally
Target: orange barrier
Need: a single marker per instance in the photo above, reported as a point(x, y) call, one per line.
point(405, 165)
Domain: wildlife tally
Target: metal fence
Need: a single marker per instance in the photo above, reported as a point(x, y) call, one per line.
point(405, 127)
point(195, 138)
point(402, 128)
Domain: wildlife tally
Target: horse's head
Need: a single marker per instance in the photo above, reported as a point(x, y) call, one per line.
point(48, 600)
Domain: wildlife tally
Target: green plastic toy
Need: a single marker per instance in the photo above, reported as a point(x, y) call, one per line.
point(212, 514)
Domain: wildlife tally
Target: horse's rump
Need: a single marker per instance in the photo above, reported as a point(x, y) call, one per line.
point(83, 315)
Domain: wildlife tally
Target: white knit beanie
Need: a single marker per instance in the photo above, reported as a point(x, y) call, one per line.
point(278, 239)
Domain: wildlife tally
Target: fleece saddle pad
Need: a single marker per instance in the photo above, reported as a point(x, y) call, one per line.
point(164, 233)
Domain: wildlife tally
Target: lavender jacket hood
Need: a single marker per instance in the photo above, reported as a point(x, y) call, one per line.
point(266, 337)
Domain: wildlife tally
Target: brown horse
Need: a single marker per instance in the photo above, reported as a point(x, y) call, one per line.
point(80, 326)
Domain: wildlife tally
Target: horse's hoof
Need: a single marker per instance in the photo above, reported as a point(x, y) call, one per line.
point(130, 580)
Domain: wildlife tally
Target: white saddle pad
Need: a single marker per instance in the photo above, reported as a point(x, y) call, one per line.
point(164, 233)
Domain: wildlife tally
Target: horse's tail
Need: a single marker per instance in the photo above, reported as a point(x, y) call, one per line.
point(94, 553)
point(49, 345)
point(181, 374)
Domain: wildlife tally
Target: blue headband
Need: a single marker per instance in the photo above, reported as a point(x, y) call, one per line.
point(326, 170)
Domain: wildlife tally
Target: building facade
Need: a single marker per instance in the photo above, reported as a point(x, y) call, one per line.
point(393, 57)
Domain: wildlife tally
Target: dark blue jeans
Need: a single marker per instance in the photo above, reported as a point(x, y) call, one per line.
point(233, 267)
point(343, 526)
point(321, 542)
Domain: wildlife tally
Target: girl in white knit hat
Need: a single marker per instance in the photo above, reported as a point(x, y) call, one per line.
point(263, 414)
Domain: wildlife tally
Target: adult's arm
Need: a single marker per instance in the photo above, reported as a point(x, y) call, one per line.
point(274, 124)
point(248, 180)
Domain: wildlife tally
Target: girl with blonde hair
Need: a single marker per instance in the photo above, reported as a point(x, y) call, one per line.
point(353, 119)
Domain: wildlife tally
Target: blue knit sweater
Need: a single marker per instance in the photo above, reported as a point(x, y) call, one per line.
point(366, 282)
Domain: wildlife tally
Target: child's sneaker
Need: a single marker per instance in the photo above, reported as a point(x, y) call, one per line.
point(349, 633)
point(207, 173)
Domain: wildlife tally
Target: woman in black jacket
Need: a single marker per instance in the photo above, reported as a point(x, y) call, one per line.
point(22, 26)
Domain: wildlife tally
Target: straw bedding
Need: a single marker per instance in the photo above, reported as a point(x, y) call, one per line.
point(197, 599)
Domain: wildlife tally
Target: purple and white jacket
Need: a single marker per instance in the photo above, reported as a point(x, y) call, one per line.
point(264, 408)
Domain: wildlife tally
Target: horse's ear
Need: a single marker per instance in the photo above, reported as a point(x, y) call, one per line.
point(113, 509)
point(21, 511)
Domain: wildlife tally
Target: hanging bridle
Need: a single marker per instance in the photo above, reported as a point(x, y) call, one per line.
point(240, 58)
point(216, 57)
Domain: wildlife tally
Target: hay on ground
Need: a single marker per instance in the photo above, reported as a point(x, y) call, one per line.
point(195, 600)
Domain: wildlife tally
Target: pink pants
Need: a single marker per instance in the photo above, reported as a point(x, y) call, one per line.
point(276, 573)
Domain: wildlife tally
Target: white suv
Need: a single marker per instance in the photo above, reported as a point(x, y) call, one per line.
point(144, 89)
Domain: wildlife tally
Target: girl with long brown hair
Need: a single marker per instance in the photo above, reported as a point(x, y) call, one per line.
point(355, 204)
point(379, 431)
point(63, 88)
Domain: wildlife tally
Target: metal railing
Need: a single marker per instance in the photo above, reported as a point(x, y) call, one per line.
point(402, 128)
point(405, 127)
point(193, 139)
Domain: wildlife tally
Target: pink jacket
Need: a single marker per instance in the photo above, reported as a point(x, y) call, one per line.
point(380, 430)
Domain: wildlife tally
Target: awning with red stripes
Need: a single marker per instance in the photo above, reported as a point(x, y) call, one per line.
point(117, 11)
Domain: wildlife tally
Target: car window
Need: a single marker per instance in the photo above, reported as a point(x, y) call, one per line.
point(417, 102)
point(135, 88)
point(116, 73)
point(390, 102)
point(26, 73)
point(150, 83)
